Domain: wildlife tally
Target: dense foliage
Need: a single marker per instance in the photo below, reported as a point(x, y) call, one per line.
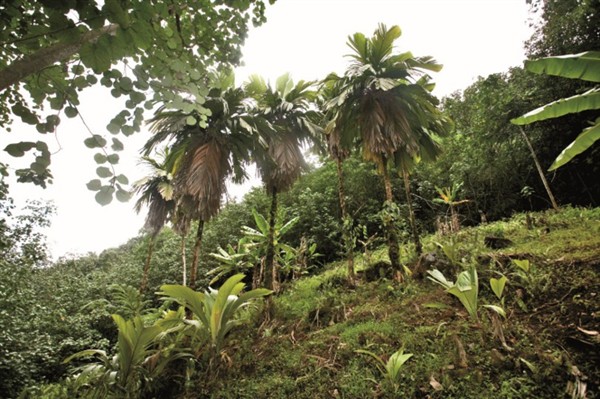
point(133, 343)
point(148, 52)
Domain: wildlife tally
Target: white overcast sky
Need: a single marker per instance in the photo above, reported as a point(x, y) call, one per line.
point(307, 38)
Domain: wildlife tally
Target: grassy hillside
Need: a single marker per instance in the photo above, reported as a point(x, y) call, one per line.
point(547, 346)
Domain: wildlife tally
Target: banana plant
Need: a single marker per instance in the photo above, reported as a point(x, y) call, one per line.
point(584, 66)
point(390, 369)
point(214, 310)
point(466, 289)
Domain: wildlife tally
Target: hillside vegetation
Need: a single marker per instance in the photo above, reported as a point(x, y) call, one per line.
point(547, 346)
point(325, 338)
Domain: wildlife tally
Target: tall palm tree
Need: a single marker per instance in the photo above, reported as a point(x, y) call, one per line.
point(204, 154)
point(384, 106)
point(429, 124)
point(339, 154)
point(156, 191)
point(289, 110)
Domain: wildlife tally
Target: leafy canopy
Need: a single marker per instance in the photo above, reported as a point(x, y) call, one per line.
point(146, 52)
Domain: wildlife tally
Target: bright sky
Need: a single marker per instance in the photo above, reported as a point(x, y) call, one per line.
point(306, 38)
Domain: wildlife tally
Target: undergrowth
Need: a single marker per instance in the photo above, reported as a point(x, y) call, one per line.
point(308, 350)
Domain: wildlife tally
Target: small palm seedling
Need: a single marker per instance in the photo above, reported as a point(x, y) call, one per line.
point(139, 361)
point(390, 370)
point(533, 281)
point(466, 289)
point(214, 310)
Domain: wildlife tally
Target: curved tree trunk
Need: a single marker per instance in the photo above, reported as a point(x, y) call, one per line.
point(144, 282)
point(540, 171)
point(346, 226)
point(270, 275)
point(194, 268)
point(411, 214)
point(393, 247)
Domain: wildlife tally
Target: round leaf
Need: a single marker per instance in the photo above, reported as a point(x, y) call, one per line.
point(94, 185)
point(113, 158)
point(71, 112)
point(103, 171)
point(123, 195)
point(122, 179)
point(105, 195)
point(99, 158)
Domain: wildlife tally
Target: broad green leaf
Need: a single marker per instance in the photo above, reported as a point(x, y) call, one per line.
point(116, 13)
point(498, 285)
point(395, 363)
point(261, 222)
point(584, 141)
point(85, 353)
point(581, 102)
point(585, 66)
point(185, 296)
point(523, 264)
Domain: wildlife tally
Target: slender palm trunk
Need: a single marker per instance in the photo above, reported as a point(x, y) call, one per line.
point(411, 214)
point(539, 169)
point(183, 260)
point(393, 248)
point(194, 267)
point(144, 282)
point(270, 269)
point(346, 222)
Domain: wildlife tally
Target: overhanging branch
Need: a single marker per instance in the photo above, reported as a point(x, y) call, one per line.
point(45, 57)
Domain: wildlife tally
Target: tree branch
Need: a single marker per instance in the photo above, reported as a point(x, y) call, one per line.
point(45, 57)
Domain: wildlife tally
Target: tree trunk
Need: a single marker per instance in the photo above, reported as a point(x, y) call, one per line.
point(539, 169)
point(144, 282)
point(393, 248)
point(183, 260)
point(270, 269)
point(47, 56)
point(411, 214)
point(346, 223)
point(194, 269)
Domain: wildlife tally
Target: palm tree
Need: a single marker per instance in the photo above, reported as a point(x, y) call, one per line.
point(156, 191)
point(204, 154)
point(384, 106)
point(339, 154)
point(288, 110)
point(429, 124)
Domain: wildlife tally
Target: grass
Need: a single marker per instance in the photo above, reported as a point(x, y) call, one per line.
point(308, 349)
